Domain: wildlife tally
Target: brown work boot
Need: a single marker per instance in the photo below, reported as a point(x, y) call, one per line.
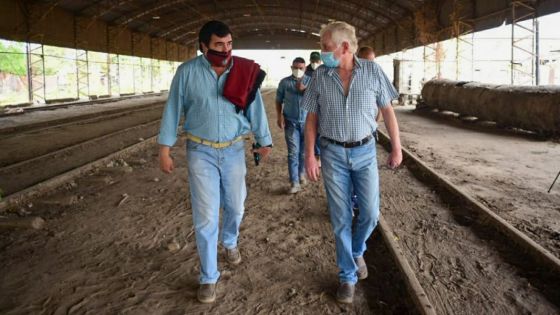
point(345, 293)
point(233, 256)
point(362, 268)
point(207, 293)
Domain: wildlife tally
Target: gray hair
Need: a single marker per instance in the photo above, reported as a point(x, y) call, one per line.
point(341, 32)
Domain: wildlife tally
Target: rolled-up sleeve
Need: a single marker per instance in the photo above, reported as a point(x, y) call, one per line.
point(385, 90)
point(310, 98)
point(172, 111)
point(259, 123)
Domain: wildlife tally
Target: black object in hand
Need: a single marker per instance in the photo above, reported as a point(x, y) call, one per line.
point(256, 155)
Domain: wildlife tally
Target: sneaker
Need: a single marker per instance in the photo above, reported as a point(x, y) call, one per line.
point(302, 179)
point(233, 256)
point(295, 188)
point(206, 293)
point(345, 293)
point(362, 268)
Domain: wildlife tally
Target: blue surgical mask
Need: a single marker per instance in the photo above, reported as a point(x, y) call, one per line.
point(329, 60)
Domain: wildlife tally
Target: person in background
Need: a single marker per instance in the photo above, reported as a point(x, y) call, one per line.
point(215, 149)
point(366, 52)
point(314, 63)
point(342, 100)
point(291, 118)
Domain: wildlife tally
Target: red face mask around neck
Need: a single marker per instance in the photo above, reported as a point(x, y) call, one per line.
point(218, 58)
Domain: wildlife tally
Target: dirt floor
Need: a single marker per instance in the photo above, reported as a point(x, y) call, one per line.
point(508, 172)
point(463, 267)
point(70, 145)
point(13, 121)
point(121, 241)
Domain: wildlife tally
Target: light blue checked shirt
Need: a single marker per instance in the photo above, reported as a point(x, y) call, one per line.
point(352, 118)
point(288, 94)
point(196, 93)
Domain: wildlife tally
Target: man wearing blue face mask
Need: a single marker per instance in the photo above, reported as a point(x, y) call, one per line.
point(291, 118)
point(342, 101)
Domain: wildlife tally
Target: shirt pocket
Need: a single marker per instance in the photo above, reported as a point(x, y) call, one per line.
point(365, 91)
point(366, 99)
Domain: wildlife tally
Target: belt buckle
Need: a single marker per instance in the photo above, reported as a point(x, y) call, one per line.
point(220, 145)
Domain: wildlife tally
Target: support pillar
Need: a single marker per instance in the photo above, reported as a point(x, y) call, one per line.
point(523, 55)
point(36, 73)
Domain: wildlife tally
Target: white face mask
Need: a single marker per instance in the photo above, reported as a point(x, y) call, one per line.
point(314, 65)
point(298, 73)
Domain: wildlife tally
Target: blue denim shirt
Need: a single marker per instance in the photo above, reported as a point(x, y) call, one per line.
point(291, 98)
point(196, 93)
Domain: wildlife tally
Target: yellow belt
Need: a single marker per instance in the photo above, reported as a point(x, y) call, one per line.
point(215, 145)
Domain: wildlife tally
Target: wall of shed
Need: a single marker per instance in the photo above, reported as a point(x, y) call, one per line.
point(50, 25)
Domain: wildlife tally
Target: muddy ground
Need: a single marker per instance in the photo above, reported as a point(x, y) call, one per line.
point(43, 117)
point(510, 172)
point(464, 267)
point(121, 241)
point(56, 150)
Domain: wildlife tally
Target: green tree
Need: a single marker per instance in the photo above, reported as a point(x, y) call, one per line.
point(12, 59)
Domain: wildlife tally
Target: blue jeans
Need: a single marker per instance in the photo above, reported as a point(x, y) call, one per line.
point(216, 179)
point(344, 168)
point(293, 132)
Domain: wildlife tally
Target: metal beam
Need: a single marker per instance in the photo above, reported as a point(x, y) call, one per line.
point(152, 9)
point(523, 15)
point(177, 25)
point(464, 47)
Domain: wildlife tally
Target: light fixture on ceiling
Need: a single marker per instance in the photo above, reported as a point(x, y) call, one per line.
point(155, 17)
point(247, 14)
point(267, 41)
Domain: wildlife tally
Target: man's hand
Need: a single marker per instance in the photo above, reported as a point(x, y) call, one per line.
point(280, 122)
point(264, 152)
point(300, 86)
point(395, 159)
point(165, 160)
point(166, 164)
point(312, 168)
